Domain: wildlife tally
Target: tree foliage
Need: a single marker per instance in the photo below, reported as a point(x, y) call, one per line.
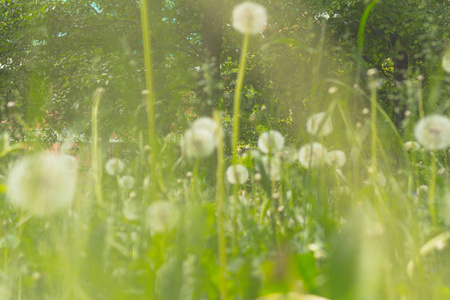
point(56, 53)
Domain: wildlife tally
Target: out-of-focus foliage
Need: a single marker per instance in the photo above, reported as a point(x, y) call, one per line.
point(57, 52)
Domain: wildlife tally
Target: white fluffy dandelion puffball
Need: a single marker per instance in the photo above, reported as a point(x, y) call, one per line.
point(198, 143)
point(319, 124)
point(272, 167)
point(411, 146)
point(131, 210)
point(446, 63)
point(312, 155)
point(208, 124)
point(205, 123)
point(249, 17)
point(162, 216)
point(237, 174)
point(270, 141)
point(126, 182)
point(336, 158)
point(43, 184)
point(114, 166)
point(433, 132)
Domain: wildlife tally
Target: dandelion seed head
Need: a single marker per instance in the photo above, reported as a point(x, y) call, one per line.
point(257, 177)
point(373, 81)
point(440, 245)
point(312, 155)
point(446, 63)
point(131, 210)
point(162, 216)
point(319, 124)
point(126, 182)
point(332, 90)
point(336, 158)
point(270, 141)
point(272, 167)
point(372, 72)
point(205, 123)
point(237, 174)
point(433, 132)
point(422, 190)
point(249, 17)
point(411, 146)
point(114, 166)
point(43, 184)
point(198, 143)
point(345, 190)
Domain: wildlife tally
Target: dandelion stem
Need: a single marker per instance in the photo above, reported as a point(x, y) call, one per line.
point(420, 99)
point(19, 288)
point(432, 187)
point(237, 97)
point(96, 159)
point(220, 192)
point(362, 27)
point(373, 101)
point(149, 94)
point(194, 180)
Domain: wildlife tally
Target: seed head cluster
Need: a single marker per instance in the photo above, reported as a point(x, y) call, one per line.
point(43, 184)
point(319, 124)
point(249, 17)
point(271, 141)
point(433, 132)
point(201, 139)
point(237, 174)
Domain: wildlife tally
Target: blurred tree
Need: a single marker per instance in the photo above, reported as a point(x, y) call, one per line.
point(54, 54)
point(402, 39)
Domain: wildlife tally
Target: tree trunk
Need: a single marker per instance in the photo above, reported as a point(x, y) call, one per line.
point(400, 62)
point(211, 49)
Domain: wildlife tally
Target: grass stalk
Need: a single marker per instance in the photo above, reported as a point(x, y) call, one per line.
point(220, 195)
point(149, 94)
point(237, 97)
point(96, 157)
point(194, 181)
point(432, 189)
point(420, 98)
point(373, 125)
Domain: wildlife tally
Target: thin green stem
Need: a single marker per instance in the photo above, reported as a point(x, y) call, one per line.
point(362, 27)
point(96, 158)
point(19, 287)
point(237, 97)
point(373, 101)
point(149, 94)
point(194, 180)
point(432, 189)
point(220, 194)
point(420, 99)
